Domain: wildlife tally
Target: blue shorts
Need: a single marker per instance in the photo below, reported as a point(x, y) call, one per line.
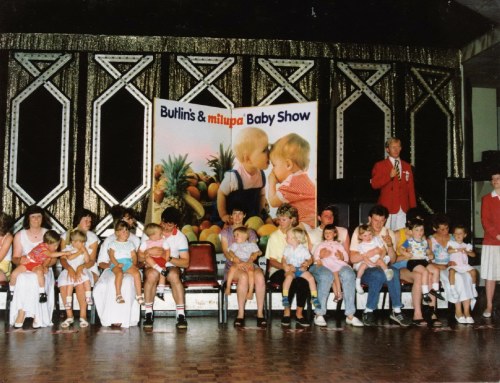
point(127, 263)
point(400, 265)
point(298, 273)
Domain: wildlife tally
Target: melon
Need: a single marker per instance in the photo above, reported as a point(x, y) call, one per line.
point(191, 236)
point(213, 188)
point(214, 238)
point(254, 223)
point(215, 229)
point(186, 229)
point(266, 230)
point(204, 234)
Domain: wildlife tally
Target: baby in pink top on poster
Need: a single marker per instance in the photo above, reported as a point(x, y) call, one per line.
point(289, 181)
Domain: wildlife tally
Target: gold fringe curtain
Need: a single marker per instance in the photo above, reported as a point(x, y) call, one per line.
point(179, 81)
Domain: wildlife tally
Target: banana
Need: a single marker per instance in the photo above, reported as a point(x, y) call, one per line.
point(198, 208)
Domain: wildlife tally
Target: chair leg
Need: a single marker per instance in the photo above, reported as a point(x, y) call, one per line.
point(220, 305)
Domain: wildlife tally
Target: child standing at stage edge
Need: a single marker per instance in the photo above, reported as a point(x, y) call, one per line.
point(156, 239)
point(295, 256)
point(417, 250)
point(459, 262)
point(244, 185)
point(369, 242)
point(244, 251)
point(38, 260)
point(123, 260)
point(332, 261)
point(290, 159)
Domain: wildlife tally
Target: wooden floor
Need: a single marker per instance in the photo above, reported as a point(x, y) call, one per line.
point(206, 352)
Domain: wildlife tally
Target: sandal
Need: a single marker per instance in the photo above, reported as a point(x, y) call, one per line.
point(119, 299)
point(261, 322)
point(18, 325)
point(239, 322)
point(68, 305)
point(84, 322)
point(435, 321)
point(139, 299)
point(89, 301)
point(68, 322)
point(419, 322)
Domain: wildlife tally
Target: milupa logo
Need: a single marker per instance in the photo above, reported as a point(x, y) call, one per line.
point(220, 119)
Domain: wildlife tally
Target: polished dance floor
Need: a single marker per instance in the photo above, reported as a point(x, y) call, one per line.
point(206, 352)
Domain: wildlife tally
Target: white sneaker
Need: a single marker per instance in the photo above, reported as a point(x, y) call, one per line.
point(486, 314)
point(389, 274)
point(359, 289)
point(469, 320)
point(354, 322)
point(461, 320)
point(319, 321)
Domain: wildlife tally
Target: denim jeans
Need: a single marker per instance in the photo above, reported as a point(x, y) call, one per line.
point(375, 278)
point(324, 279)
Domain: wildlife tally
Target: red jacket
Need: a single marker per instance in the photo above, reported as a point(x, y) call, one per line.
point(490, 218)
point(394, 193)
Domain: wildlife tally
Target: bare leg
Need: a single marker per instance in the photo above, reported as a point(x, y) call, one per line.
point(251, 283)
point(80, 296)
point(490, 293)
point(241, 292)
point(260, 291)
point(118, 280)
point(230, 278)
point(174, 277)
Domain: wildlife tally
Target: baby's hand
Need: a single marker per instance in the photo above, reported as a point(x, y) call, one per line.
point(226, 219)
point(324, 253)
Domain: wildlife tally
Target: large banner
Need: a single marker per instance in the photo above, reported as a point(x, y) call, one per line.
point(255, 157)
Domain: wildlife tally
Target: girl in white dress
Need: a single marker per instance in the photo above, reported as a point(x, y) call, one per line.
point(73, 275)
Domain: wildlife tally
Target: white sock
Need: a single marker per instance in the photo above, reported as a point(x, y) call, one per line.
point(69, 299)
point(88, 294)
point(41, 290)
point(425, 289)
point(435, 286)
point(12, 288)
point(157, 268)
point(397, 311)
point(474, 286)
point(367, 310)
point(358, 281)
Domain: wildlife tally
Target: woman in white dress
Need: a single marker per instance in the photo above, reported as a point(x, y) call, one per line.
point(438, 242)
point(25, 303)
point(110, 312)
point(84, 221)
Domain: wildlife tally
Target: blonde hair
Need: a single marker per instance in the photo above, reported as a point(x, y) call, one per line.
point(77, 235)
point(51, 237)
point(152, 228)
point(246, 141)
point(294, 148)
point(299, 234)
point(363, 229)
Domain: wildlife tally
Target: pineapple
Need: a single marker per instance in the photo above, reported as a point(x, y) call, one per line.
point(221, 164)
point(177, 181)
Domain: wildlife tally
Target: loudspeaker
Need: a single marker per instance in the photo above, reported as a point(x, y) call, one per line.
point(364, 209)
point(341, 214)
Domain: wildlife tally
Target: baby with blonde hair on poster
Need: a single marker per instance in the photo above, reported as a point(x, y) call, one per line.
point(289, 181)
point(244, 185)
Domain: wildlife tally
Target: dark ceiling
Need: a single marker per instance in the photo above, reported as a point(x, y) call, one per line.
point(432, 23)
point(426, 23)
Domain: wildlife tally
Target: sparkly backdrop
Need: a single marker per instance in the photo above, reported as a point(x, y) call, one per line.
point(106, 87)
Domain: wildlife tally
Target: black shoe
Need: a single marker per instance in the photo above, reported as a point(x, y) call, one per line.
point(426, 298)
point(369, 319)
point(261, 322)
point(303, 322)
point(285, 321)
point(400, 319)
point(239, 322)
point(181, 322)
point(437, 294)
point(164, 272)
point(160, 295)
point(148, 321)
point(43, 298)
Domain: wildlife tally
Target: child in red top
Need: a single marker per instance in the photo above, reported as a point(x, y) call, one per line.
point(37, 261)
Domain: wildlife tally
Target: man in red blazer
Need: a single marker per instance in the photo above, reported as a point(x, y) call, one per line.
point(394, 178)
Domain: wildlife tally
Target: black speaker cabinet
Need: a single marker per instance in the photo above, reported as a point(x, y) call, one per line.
point(458, 202)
